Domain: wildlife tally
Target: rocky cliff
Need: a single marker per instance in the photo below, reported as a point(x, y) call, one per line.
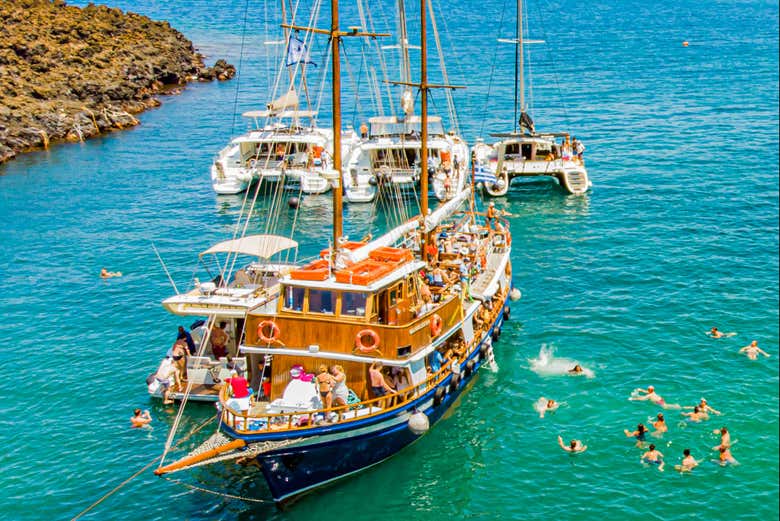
point(68, 73)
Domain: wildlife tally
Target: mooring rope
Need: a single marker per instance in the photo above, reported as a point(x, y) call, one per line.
point(136, 474)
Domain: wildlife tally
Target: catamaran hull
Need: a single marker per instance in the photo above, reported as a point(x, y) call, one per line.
point(332, 454)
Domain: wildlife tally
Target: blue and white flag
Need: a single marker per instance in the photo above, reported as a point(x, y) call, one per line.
point(483, 175)
point(297, 52)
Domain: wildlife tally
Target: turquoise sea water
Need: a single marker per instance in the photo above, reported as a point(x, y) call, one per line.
point(679, 234)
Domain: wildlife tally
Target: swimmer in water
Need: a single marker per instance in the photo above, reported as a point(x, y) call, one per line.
point(725, 438)
point(688, 463)
point(654, 457)
point(575, 446)
point(714, 333)
point(650, 394)
point(725, 457)
point(140, 419)
point(640, 433)
point(545, 405)
point(753, 350)
point(660, 424)
point(105, 274)
point(576, 370)
point(697, 415)
point(703, 407)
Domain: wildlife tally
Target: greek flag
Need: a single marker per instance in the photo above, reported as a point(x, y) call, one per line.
point(297, 52)
point(483, 175)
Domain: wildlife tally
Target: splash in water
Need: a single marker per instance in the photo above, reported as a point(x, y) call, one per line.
point(548, 365)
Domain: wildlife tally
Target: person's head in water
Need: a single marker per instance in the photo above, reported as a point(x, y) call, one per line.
point(687, 452)
point(695, 409)
point(650, 388)
point(641, 428)
point(550, 403)
point(722, 449)
point(714, 330)
point(660, 417)
point(652, 447)
point(137, 412)
point(576, 369)
point(573, 444)
point(723, 430)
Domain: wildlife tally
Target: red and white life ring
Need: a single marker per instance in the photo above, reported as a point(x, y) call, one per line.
point(362, 347)
point(273, 331)
point(436, 325)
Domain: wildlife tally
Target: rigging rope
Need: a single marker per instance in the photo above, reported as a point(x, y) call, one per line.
point(238, 70)
point(136, 474)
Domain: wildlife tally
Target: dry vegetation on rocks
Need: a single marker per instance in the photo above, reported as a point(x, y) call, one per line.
point(68, 73)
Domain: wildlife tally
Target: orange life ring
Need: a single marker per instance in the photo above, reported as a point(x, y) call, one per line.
point(272, 335)
point(436, 324)
point(360, 346)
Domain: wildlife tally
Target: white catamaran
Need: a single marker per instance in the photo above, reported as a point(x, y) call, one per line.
point(388, 156)
point(286, 144)
point(524, 152)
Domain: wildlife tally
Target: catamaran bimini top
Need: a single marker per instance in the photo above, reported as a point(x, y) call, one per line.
point(262, 246)
point(285, 114)
point(385, 126)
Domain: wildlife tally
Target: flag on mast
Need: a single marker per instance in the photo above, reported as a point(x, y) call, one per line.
point(297, 52)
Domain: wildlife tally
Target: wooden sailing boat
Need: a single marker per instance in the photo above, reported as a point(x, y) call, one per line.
point(358, 308)
point(524, 152)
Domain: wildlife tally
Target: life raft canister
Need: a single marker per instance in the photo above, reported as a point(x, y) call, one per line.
point(271, 327)
point(362, 347)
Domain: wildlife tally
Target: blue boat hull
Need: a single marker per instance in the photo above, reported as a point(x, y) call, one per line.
point(297, 469)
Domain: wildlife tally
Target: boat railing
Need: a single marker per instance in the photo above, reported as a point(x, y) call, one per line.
point(249, 423)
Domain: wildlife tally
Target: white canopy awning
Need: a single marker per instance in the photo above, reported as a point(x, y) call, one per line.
point(285, 114)
point(263, 246)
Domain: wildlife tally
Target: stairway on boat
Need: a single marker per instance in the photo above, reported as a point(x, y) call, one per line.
point(575, 181)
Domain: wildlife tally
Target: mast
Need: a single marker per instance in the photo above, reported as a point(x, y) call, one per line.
point(335, 41)
point(520, 53)
point(519, 80)
point(336, 35)
point(423, 116)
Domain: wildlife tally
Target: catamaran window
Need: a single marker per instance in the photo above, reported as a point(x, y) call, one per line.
point(353, 304)
point(293, 298)
point(321, 301)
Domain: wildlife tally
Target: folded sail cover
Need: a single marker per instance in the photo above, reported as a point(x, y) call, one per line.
point(263, 246)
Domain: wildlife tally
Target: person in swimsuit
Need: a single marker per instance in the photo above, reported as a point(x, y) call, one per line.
point(725, 438)
point(105, 274)
point(640, 433)
point(651, 395)
point(654, 457)
point(725, 457)
point(697, 415)
point(340, 390)
point(219, 339)
point(714, 333)
point(325, 384)
point(753, 350)
point(575, 446)
point(140, 419)
point(688, 462)
point(378, 384)
point(660, 424)
point(576, 370)
point(703, 407)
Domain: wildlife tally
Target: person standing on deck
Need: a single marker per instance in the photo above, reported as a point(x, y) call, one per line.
point(378, 384)
point(183, 334)
point(218, 340)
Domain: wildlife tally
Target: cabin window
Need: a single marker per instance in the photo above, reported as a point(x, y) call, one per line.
point(293, 298)
point(527, 151)
point(394, 295)
point(353, 304)
point(322, 301)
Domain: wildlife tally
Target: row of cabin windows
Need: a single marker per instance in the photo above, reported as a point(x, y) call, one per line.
point(325, 302)
point(343, 303)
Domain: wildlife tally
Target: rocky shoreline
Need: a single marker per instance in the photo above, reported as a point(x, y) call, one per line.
point(69, 73)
